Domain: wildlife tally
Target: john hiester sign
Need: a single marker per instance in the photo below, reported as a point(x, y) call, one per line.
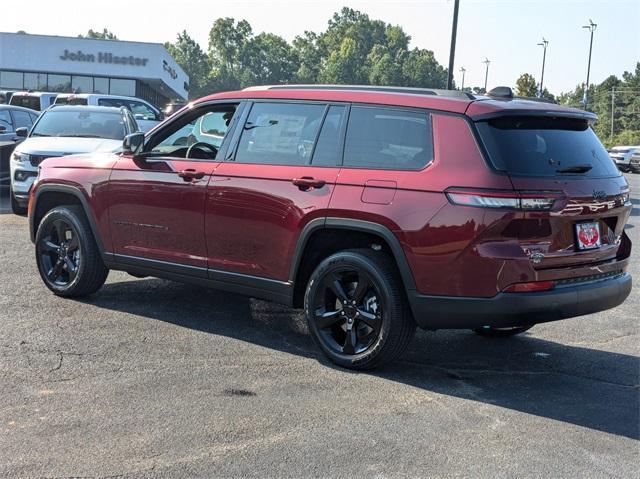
point(103, 57)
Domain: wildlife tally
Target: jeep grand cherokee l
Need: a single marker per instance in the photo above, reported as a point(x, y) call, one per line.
point(375, 209)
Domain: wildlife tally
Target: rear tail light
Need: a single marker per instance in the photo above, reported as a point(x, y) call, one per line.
point(519, 200)
point(530, 287)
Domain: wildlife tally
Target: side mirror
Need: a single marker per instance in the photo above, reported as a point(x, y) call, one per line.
point(3, 128)
point(22, 132)
point(161, 116)
point(133, 143)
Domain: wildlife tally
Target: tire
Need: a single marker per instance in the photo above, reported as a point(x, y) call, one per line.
point(490, 332)
point(71, 267)
point(16, 209)
point(373, 325)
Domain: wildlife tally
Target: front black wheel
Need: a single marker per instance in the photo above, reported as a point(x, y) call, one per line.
point(17, 208)
point(356, 309)
point(492, 332)
point(68, 258)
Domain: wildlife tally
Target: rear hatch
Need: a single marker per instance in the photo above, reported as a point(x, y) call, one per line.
point(562, 159)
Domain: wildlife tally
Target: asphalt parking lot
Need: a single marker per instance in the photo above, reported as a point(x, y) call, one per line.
point(149, 378)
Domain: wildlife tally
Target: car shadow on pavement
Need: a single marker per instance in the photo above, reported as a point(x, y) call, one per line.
point(587, 387)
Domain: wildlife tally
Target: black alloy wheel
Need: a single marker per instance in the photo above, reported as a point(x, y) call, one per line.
point(59, 253)
point(68, 258)
point(348, 311)
point(356, 309)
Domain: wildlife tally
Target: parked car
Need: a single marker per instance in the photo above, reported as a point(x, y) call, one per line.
point(634, 162)
point(63, 131)
point(375, 209)
point(5, 96)
point(144, 112)
point(621, 155)
point(12, 118)
point(35, 100)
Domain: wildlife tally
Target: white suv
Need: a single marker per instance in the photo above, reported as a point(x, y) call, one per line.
point(621, 155)
point(61, 131)
point(145, 114)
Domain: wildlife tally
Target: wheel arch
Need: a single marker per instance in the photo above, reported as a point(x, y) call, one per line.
point(50, 196)
point(360, 233)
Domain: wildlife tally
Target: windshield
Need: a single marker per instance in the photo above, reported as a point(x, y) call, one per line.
point(545, 146)
point(82, 124)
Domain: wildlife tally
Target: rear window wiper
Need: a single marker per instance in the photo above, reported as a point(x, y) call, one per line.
point(575, 169)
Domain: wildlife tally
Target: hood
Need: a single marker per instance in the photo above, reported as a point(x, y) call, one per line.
point(60, 145)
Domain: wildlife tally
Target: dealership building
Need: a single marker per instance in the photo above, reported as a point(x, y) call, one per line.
point(87, 65)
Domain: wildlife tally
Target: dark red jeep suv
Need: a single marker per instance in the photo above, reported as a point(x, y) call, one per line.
point(376, 209)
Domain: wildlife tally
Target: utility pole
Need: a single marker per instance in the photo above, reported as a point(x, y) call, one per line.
point(613, 100)
point(544, 57)
point(452, 50)
point(486, 73)
point(592, 28)
point(463, 70)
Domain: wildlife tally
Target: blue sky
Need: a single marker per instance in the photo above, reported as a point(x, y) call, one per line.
point(507, 32)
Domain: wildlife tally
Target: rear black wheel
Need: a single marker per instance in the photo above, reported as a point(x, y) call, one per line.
point(356, 309)
point(491, 332)
point(67, 255)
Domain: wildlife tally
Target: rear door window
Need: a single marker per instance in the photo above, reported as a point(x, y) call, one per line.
point(388, 139)
point(328, 148)
point(544, 146)
point(280, 133)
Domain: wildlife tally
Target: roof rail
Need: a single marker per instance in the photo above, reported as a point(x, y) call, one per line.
point(375, 88)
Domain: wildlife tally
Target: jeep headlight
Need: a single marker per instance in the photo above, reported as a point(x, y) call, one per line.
point(20, 157)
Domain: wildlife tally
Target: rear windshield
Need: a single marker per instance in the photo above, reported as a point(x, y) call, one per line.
point(536, 146)
point(81, 124)
point(25, 101)
point(71, 101)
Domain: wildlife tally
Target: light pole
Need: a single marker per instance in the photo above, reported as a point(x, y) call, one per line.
point(463, 70)
point(592, 28)
point(544, 57)
point(486, 73)
point(452, 50)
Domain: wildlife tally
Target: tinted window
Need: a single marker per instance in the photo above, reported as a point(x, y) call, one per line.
point(26, 101)
point(122, 87)
point(82, 84)
point(279, 134)
point(82, 124)
point(5, 121)
point(545, 147)
point(22, 119)
point(327, 151)
point(386, 138)
point(101, 85)
point(59, 82)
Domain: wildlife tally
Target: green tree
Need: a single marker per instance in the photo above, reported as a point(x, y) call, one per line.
point(227, 48)
point(309, 57)
point(103, 35)
point(526, 85)
point(421, 69)
point(194, 61)
point(268, 59)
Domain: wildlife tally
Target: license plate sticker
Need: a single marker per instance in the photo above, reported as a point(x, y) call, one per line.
point(588, 235)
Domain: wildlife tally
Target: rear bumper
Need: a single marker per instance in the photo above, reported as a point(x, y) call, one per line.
point(517, 309)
